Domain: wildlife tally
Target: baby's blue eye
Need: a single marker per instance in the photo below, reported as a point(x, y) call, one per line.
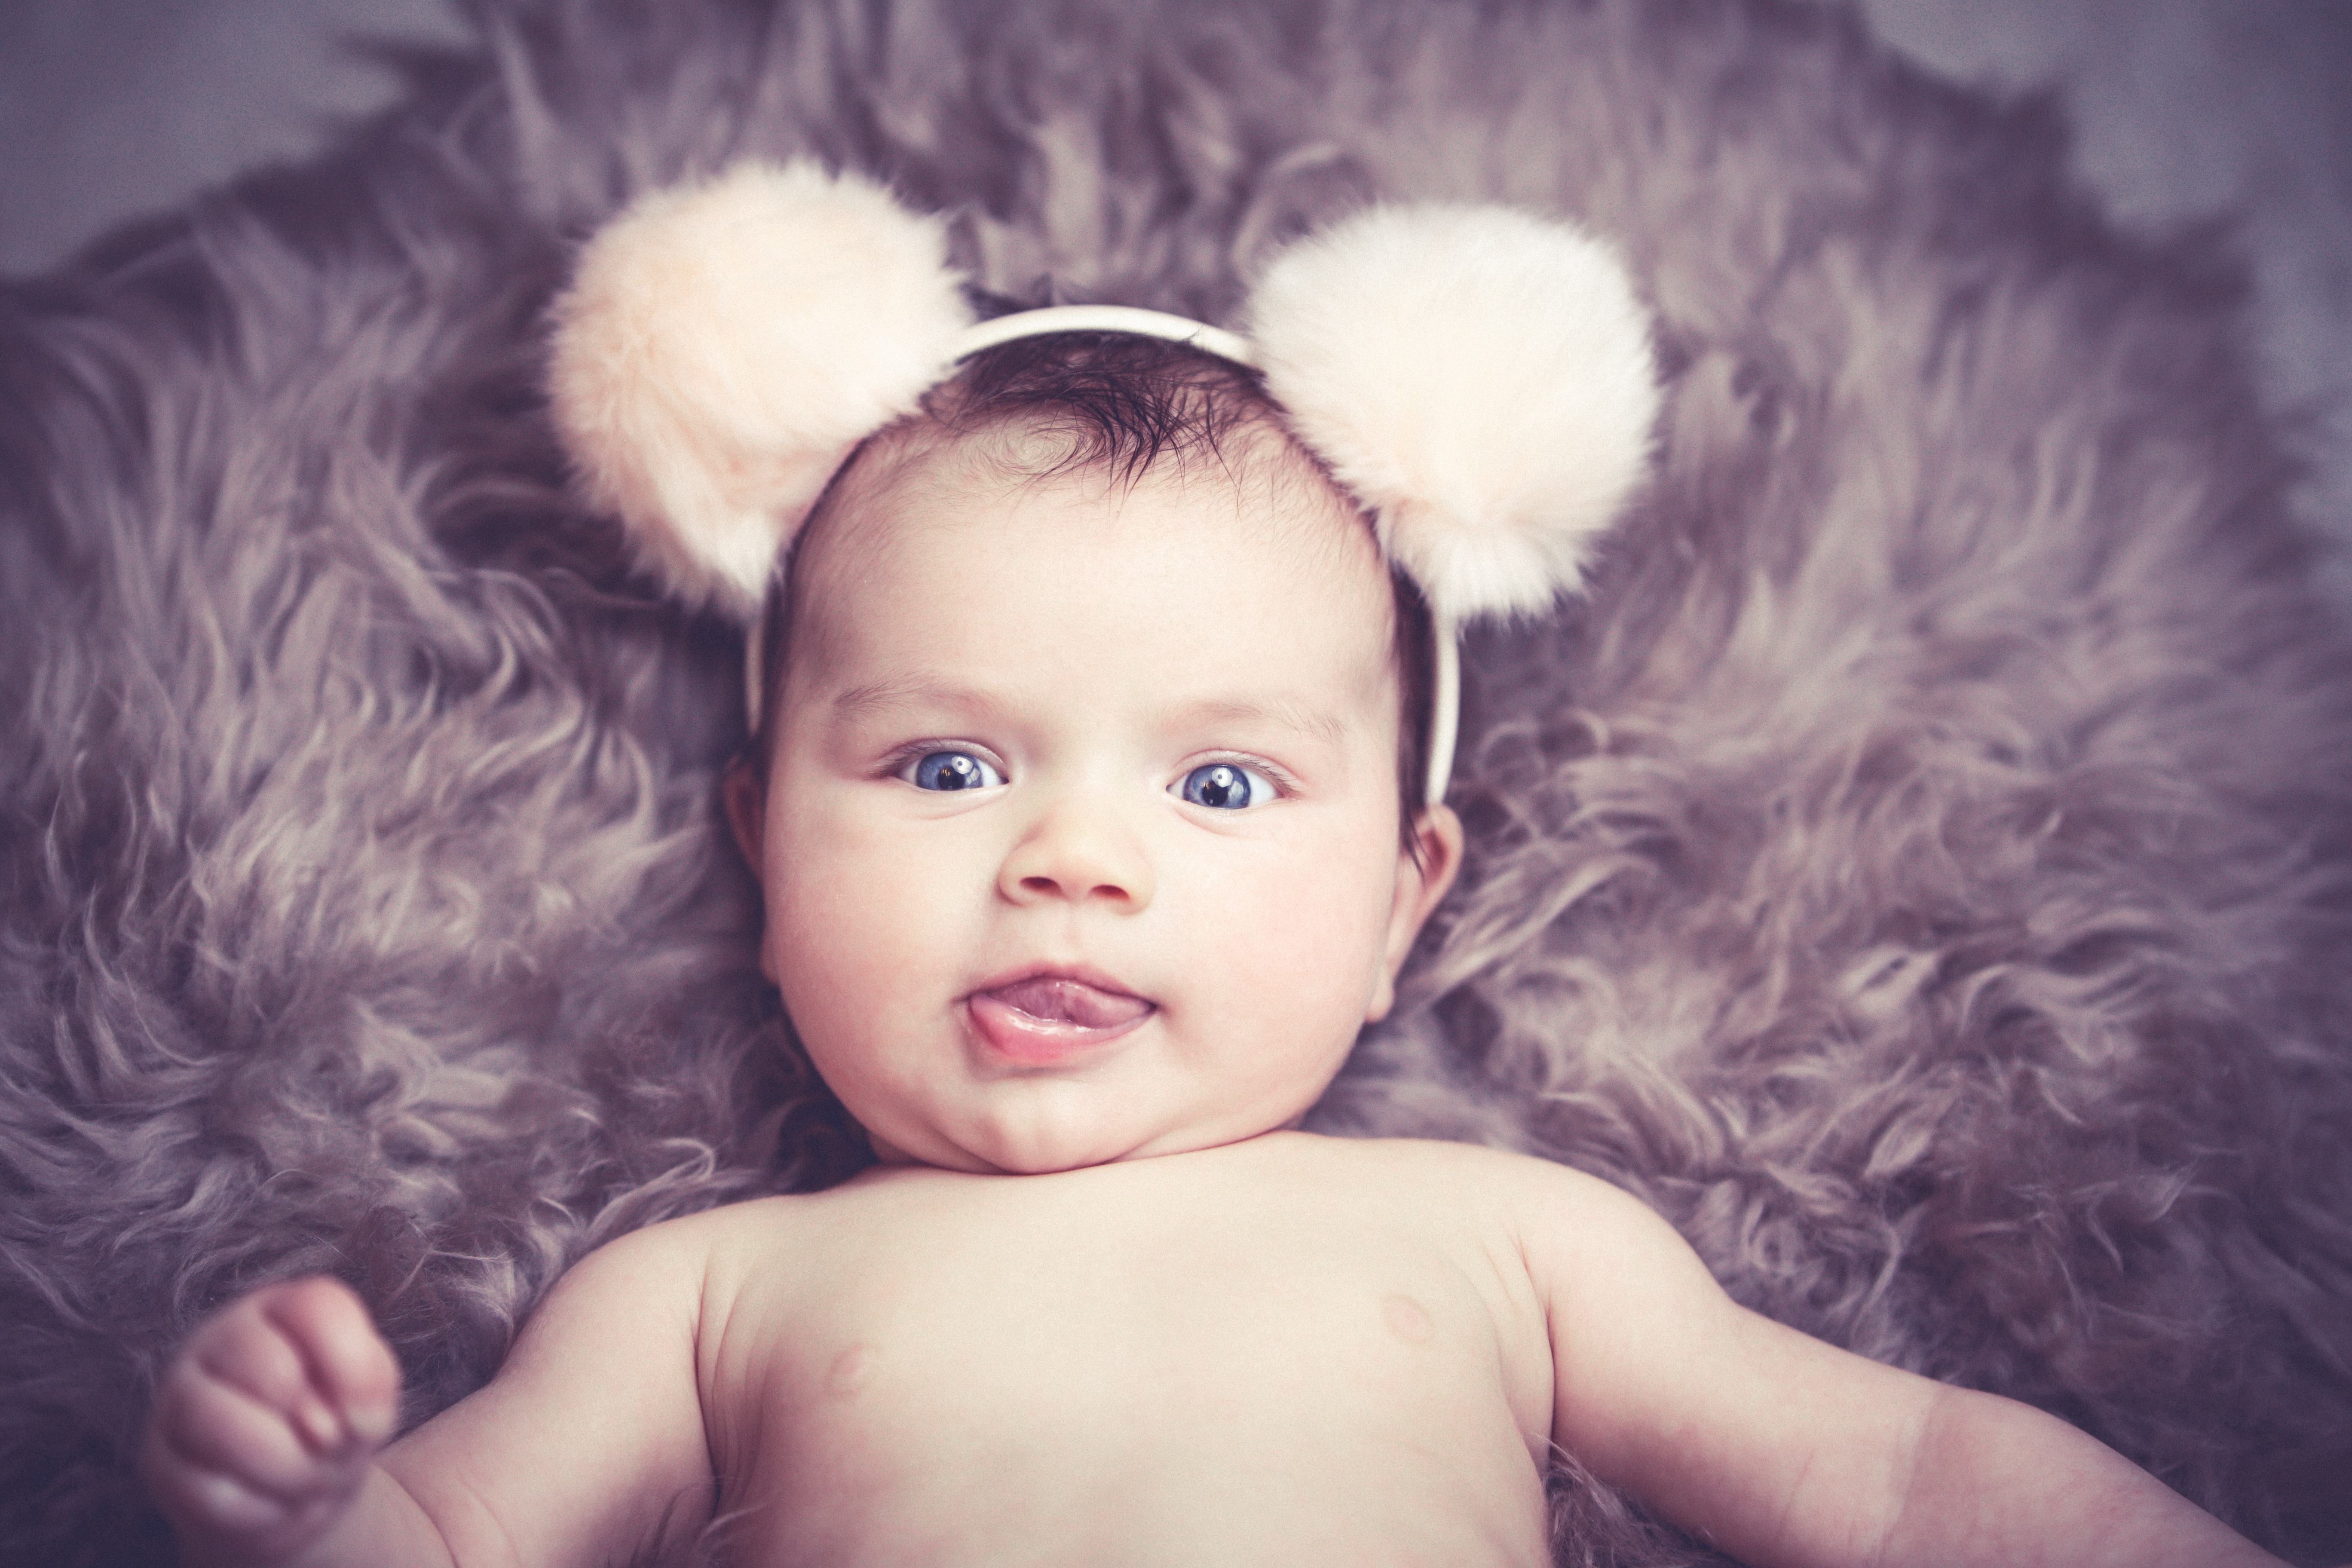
point(952, 770)
point(1228, 786)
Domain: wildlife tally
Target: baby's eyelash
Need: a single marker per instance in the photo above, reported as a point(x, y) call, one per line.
point(901, 757)
point(1285, 783)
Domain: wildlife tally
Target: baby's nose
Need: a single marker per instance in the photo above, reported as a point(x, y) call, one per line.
point(1079, 851)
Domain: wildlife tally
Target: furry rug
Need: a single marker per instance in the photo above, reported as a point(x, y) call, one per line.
point(1921, 871)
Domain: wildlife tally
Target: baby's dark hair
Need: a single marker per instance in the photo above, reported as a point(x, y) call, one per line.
point(1122, 403)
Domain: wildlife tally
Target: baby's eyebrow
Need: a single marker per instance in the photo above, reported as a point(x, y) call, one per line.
point(903, 691)
point(896, 691)
point(1313, 722)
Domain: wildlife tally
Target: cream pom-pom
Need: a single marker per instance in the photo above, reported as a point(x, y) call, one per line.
point(724, 345)
point(1481, 378)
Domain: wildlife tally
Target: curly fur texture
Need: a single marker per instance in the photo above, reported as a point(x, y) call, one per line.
point(1919, 868)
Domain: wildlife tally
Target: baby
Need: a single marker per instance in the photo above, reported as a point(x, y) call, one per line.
point(1096, 798)
point(1084, 816)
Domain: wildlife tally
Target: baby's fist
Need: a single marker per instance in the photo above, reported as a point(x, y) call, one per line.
point(263, 1429)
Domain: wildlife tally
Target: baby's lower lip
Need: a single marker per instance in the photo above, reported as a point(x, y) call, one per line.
point(1044, 1020)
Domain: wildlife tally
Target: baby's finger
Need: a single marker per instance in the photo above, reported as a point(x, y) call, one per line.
point(245, 1350)
point(215, 1427)
point(219, 1505)
point(343, 1357)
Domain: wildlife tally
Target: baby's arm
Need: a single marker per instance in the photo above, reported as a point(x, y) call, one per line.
point(261, 1446)
point(1781, 1450)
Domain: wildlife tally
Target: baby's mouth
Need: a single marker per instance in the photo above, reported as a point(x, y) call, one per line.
point(1046, 1018)
point(1057, 999)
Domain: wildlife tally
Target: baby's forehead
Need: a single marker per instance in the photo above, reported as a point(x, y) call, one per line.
point(925, 472)
point(1288, 577)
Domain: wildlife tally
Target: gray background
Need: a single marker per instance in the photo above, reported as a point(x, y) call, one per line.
point(2185, 109)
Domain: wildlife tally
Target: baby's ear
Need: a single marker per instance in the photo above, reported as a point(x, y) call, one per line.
point(1422, 879)
point(747, 811)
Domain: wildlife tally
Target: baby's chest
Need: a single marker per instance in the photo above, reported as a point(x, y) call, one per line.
point(1060, 1360)
point(1104, 1328)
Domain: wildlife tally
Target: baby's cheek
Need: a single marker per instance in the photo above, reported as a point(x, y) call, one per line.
point(1316, 956)
point(851, 939)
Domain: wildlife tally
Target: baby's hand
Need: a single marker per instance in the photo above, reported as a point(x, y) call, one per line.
point(263, 1429)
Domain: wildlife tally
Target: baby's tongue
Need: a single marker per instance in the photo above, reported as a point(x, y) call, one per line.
point(1072, 1002)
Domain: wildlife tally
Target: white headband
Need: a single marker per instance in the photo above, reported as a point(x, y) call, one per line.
point(1479, 378)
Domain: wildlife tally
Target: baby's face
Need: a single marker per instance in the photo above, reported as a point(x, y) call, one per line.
point(1080, 839)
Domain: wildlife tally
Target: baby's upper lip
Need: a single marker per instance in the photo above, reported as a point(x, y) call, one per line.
point(1083, 974)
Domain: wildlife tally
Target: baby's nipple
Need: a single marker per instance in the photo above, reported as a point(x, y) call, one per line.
point(1407, 1317)
point(850, 1370)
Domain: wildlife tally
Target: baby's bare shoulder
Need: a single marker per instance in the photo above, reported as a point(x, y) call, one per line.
point(1557, 1219)
point(705, 1243)
point(1502, 1177)
point(678, 1260)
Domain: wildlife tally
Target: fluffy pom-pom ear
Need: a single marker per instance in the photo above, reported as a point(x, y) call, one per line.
point(724, 345)
point(1480, 377)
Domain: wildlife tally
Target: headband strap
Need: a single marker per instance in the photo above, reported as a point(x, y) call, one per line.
point(1125, 319)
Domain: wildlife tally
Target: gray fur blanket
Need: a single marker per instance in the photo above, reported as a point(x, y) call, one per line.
point(1923, 870)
